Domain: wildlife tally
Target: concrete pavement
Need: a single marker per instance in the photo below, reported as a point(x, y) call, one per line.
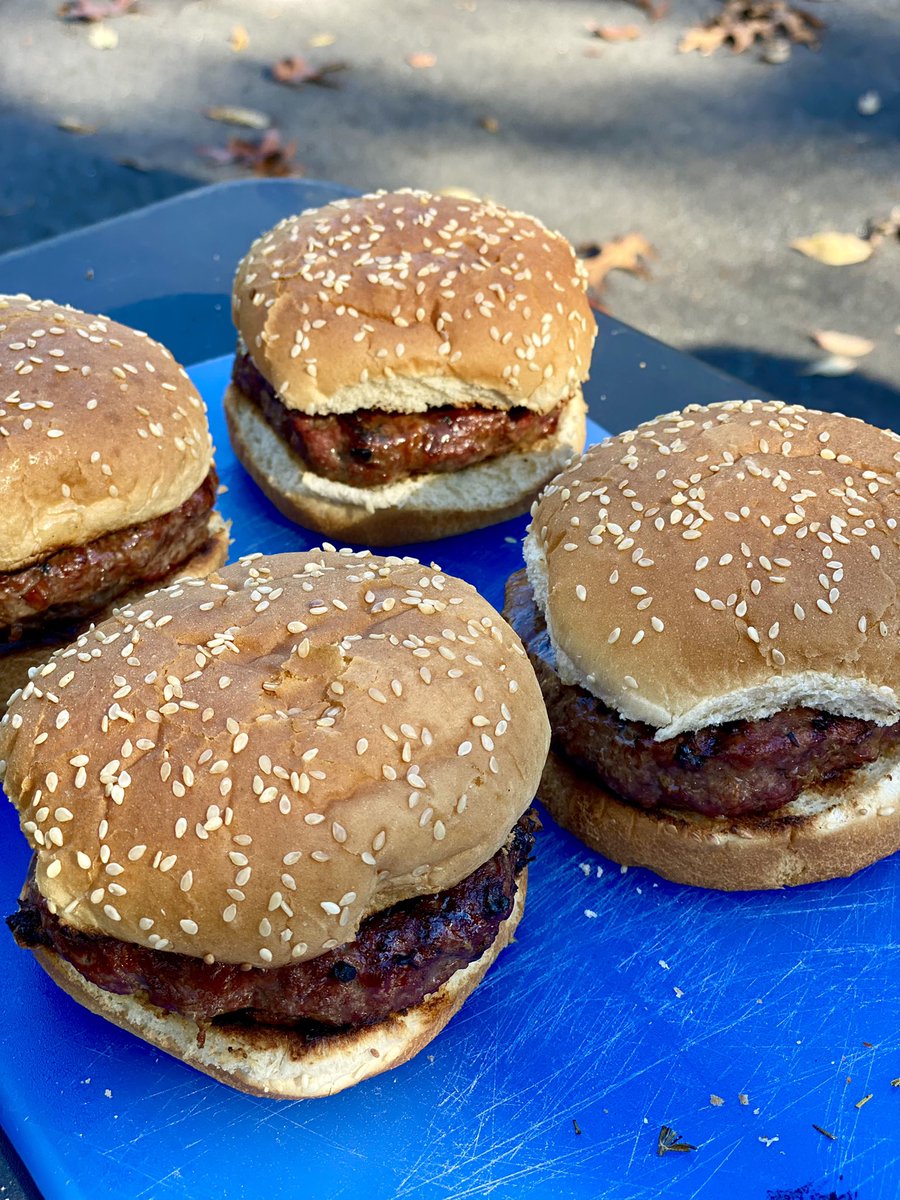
point(719, 161)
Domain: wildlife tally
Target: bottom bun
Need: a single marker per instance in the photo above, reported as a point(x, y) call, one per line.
point(417, 509)
point(16, 665)
point(279, 1062)
point(820, 835)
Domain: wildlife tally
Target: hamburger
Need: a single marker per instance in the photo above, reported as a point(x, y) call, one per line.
point(107, 484)
point(409, 366)
point(710, 602)
point(286, 834)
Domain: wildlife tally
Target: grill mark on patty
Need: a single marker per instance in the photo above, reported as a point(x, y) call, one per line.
point(369, 448)
point(737, 768)
point(400, 955)
point(78, 581)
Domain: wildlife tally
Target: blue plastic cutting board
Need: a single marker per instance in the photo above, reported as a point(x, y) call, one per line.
point(625, 1004)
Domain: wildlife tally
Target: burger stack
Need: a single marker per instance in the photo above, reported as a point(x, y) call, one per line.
point(107, 484)
point(711, 605)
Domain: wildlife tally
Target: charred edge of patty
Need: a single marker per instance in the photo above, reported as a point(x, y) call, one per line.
point(369, 448)
point(739, 768)
point(49, 599)
point(400, 956)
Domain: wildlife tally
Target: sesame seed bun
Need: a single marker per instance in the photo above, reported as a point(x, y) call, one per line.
point(404, 301)
point(418, 508)
point(825, 834)
point(100, 429)
point(725, 563)
point(17, 666)
point(247, 766)
point(280, 1063)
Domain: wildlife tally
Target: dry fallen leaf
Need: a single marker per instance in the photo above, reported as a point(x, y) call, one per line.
point(296, 71)
point(630, 252)
point(887, 227)
point(845, 345)
point(614, 33)
point(421, 60)
point(320, 40)
point(269, 156)
point(742, 23)
point(868, 104)
point(231, 114)
point(95, 10)
point(75, 125)
point(101, 37)
point(831, 367)
point(239, 39)
point(654, 11)
point(702, 39)
point(834, 249)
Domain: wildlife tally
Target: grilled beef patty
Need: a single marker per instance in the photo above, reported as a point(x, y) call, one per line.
point(368, 448)
point(78, 581)
point(400, 955)
point(737, 768)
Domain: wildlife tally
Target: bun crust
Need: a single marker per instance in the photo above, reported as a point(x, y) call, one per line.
point(416, 509)
point(403, 301)
point(100, 428)
point(819, 836)
point(247, 766)
point(728, 562)
point(16, 665)
point(277, 1062)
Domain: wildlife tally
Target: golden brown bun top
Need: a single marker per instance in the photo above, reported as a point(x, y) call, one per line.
point(406, 300)
point(249, 765)
point(723, 563)
point(100, 428)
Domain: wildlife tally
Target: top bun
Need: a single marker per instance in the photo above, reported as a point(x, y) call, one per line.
point(724, 563)
point(248, 766)
point(404, 301)
point(100, 429)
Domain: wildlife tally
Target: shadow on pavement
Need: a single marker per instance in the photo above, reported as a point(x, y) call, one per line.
point(857, 395)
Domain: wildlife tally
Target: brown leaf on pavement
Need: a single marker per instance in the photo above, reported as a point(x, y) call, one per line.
point(742, 23)
point(95, 10)
point(269, 156)
point(614, 33)
point(887, 227)
point(239, 39)
point(233, 114)
point(75, 125)
point(706, 40)
point(421, 60)
point(834, 249)
point(654, 11)
point(630, 252)
point(296, 71)
point(844, 345)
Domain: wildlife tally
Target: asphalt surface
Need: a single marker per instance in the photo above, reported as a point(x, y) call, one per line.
point(720, 162)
